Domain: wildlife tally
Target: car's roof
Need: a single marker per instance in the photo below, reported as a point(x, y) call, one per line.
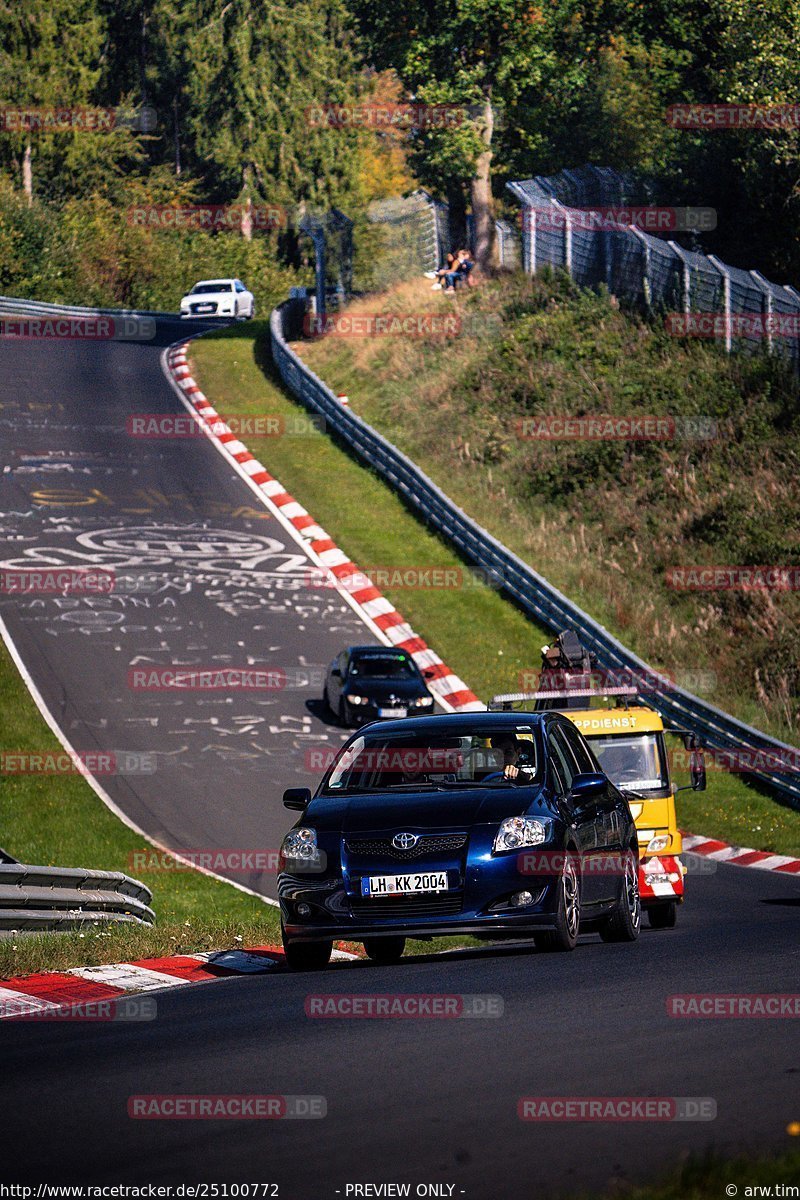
point(231, 279)
point(364, 651)
point(459, 722)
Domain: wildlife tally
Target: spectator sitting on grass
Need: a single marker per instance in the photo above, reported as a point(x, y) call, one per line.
point(444, 272)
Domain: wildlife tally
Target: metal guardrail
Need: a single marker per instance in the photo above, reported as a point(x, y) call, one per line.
point(13, 304)
point(505, 570)
point(62, 898)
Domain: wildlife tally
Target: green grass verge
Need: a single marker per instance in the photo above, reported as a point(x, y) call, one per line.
point(59, 820)
point(482, 636)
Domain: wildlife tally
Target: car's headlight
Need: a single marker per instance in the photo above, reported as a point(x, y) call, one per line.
point(422, 702)
point(657, 843)
point(517, 832)
point(300, 850)
point(358, 699)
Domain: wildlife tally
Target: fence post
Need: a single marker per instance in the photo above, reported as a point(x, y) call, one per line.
point(726, 298)
point(529, 238)
point(646, 289)
point(793, 292)
point(567, 235)
point(766, 304)
point(686, 276)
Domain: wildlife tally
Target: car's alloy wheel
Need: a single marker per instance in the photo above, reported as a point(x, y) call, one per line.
point(306, 956)
point(664, 915)
point(385, 950)
point(625, 922)
point(568, 916)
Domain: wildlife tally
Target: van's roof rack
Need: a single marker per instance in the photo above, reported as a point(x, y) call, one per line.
point(507, 699)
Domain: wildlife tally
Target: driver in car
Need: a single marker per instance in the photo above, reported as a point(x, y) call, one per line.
point(517, 767)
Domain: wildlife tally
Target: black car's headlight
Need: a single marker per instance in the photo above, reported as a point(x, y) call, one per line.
point(357, 699)
point(421, 702)
point(300, 852)
point(517, 832)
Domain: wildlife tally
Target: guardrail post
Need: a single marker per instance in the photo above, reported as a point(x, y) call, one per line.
point(529, 238)
point(793, 292)
point(726, 298)
point(766, 304)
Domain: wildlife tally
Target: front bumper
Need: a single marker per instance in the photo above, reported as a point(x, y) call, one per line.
point(661, 879)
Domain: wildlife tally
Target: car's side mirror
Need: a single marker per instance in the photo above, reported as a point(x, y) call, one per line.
point(336, 672)
point(697, 771)
point(691, 741)
point(297, 798)
point(587, 785)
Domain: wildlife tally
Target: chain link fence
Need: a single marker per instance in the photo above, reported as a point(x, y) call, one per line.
point(698, 294)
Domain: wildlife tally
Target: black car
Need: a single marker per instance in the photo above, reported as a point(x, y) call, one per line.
point(368, 683)
point(489, 823)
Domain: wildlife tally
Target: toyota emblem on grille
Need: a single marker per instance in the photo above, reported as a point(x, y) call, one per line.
point(404, 841)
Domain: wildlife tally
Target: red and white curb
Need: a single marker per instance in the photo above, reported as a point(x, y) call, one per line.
point(91, 991)
point(740, 856)
point(378, 613)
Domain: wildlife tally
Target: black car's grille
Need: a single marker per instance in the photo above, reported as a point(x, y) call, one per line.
point(408, 906)
point(427, 844)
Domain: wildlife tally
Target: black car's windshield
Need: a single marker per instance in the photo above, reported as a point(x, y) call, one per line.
point(207, 289)
point(382, 666)
point(403, 762)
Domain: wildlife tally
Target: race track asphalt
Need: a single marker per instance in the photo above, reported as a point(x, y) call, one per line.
point(417, 1101)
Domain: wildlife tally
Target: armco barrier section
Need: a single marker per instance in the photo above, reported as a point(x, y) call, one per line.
point(61, 898)
point(531, 592)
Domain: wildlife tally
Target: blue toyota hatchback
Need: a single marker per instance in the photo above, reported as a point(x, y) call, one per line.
point(496, 824)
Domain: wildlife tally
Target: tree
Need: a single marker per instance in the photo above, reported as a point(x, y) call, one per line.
point(261, 74)
point(477, 58)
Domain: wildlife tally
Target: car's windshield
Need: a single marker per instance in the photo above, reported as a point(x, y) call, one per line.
point(382, 666)
point(631, 761)
point(204, 289)
point(468, 758)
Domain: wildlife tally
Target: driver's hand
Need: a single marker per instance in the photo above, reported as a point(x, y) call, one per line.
point(511, 772)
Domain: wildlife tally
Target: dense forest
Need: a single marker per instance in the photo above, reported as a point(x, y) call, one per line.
point(296, 108)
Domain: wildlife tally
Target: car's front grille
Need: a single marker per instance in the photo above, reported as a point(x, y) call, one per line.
point(408, 906)
point(429, 843)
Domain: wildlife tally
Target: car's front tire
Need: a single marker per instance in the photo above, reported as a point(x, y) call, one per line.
point(664, 915)
point(306, 956)
point(568, 915)
point(625, 922)
point(385, 950)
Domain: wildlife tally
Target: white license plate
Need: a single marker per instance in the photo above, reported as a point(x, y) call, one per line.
point(392, 712)
point(204, 307)
point(404, 885)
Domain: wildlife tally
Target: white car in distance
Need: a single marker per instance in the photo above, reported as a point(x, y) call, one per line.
point(218, 298)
